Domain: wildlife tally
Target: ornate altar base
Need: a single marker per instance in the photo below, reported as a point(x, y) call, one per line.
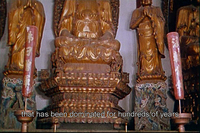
point(12, 100)
point(150, 104)
point(85, 98)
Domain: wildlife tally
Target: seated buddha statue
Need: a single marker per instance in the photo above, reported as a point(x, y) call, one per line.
point(87, 66)
point(86, 33)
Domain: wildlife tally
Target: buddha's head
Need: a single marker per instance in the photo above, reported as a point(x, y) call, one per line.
point(87, 14)
point(146, 2)
point(19, 3)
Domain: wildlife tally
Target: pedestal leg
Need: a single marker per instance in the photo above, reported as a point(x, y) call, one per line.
point(181, 128)
point(54, 127)
point(24, 119)
point(24, 127)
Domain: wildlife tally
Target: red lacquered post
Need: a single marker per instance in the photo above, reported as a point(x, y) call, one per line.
point(177, 78)
point(28, 76)
point(176, 67)
point(29, 59)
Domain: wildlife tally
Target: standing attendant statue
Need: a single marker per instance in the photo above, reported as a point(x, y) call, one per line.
point(188, 28)
point(22, 14)
point(150, 89)
point(149, 23)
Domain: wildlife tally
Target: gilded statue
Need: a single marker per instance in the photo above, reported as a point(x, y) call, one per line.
point(86, 33)
point(188, 28)
point(87, 66)
point(22, 13)
point(187, 25)
point(149, 23)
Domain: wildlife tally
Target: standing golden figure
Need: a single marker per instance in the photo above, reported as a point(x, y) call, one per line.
point(22, 13)
point(149, 24)
point(188, 28)
point(150, 89)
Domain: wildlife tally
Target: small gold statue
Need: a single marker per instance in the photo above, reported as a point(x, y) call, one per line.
point(188, 28)
point(22, 14)
point(149, 24)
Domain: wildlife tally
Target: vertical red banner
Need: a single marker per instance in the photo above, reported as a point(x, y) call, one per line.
point(176, 67)
point(29, 60)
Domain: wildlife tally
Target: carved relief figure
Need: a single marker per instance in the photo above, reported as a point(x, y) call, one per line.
point(188, 28)
point(149, 24)
point(23, 13)
point(86, 32)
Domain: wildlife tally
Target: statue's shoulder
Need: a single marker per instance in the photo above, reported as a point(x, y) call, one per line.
point(39, 6)
point(156, 8)
point(138, 10)
point(187, 8)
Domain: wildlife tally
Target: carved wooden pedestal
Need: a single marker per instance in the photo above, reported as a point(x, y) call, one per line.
point(86, 96)
point(12, 101)
point(150, 102)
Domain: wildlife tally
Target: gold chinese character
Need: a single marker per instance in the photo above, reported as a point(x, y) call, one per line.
point(30, 37)
point(27, 80)
point(28, 51)
point(28, 65)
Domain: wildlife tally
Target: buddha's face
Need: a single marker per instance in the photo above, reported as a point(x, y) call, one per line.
point(146, 2)
point(23, 2)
